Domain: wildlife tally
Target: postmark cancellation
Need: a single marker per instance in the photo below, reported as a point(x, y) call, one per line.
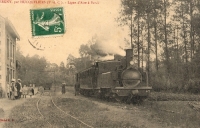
point(47, 22)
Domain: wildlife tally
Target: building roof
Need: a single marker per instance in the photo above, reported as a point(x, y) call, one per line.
point(10, 28)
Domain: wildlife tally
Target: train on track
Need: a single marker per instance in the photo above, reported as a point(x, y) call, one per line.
point(114, 79)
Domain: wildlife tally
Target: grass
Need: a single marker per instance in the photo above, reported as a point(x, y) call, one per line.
point(172, 113)
point(163, 96)
point(25, 115)
point(171, 109)
point(92, 114)
point(177, 113)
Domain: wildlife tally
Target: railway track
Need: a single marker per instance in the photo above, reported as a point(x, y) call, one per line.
point(55, 117)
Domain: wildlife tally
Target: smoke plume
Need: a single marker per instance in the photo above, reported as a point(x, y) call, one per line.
point(105, 48)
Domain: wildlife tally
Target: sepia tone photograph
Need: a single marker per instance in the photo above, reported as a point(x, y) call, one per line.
point(99, 64)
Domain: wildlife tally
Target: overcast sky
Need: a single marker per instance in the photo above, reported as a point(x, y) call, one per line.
point(82, 22)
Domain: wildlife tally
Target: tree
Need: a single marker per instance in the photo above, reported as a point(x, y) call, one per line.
point(84, 50)
point(33, 69)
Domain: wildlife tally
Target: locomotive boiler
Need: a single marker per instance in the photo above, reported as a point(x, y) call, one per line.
point(115, 79)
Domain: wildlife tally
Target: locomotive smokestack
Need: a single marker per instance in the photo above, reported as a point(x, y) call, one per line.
point(129, 57)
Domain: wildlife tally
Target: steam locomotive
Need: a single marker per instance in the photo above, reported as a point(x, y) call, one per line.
point(115, 79)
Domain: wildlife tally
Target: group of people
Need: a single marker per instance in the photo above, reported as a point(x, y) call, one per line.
point(16, 91)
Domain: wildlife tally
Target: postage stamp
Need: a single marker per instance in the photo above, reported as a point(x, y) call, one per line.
point(47, 22)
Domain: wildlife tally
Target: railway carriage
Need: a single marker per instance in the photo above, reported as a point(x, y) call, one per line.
point(116, 79)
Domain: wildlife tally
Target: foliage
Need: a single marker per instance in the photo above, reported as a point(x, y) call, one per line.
point(36, 70)
point(170, 30)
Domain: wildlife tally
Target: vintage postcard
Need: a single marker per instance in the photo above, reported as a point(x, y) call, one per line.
point(99, 63)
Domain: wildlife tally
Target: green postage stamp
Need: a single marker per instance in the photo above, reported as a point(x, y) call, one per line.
point(49, 21)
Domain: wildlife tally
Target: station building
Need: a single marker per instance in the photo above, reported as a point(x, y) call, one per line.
point(8, 39)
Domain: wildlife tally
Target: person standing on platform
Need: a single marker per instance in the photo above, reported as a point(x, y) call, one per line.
point(33, 90)
point(20, 91)
point(77, 86)
point(24, 91)
point(30, 91)
point(63, 88)
point(8, 90)
point(16, 92)
point(19, 87)
point(12, 91)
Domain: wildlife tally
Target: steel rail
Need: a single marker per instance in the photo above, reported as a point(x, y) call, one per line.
point(70, 115)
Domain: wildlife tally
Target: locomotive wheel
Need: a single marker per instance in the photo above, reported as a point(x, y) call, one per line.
point(137, 100)
point(117, 97)
point(102, 96)
point(88, 92)
point(85, 93)
point(129, 99)
point(81, 91)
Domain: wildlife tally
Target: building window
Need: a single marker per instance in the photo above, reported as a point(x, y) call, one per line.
point(13, 53)
point(0, 76)
point(7, 76)
point(13, 73)
point(11, 76)
point(11, 49)
point(8, 48)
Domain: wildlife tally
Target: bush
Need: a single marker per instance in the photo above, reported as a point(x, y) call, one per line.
point(193, 86)
point(172, 83)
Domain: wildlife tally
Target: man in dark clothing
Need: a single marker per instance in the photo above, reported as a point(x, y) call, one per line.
point(63, 88)
point(18, 86)
point(77, 86)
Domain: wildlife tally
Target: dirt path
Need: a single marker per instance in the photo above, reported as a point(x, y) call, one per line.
point(6, 106)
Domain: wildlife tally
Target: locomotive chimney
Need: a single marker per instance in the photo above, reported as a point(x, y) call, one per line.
point(129, 57)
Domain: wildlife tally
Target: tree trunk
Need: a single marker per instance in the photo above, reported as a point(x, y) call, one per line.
point(148, 47)
point(131, 31)
point(166, 43)
point(156, 47)
point(138, 44)
point(191, 30)
point(177, 52)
